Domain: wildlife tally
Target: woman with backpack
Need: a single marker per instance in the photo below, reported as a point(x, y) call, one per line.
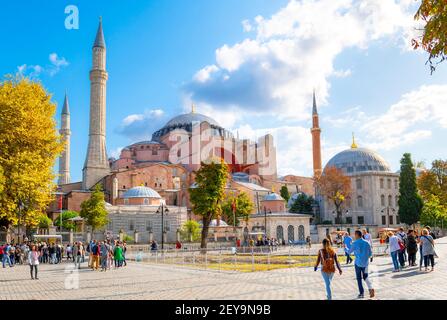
point(412, 248)
point(328, 260)
point(428, 249)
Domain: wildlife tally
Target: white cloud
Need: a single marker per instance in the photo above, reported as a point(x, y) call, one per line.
point(246, 25)
point(293, 52)
point(410, 119)
point(141, 126)
point(34, 71)
point(115, 153)
point(56, 64)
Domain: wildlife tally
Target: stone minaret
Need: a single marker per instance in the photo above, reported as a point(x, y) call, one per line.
point(316, 145)
point(96, 164)
point(64, 160)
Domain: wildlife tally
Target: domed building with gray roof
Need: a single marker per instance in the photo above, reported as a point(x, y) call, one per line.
point(373, 203)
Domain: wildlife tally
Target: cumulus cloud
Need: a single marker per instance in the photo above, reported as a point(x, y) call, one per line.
point(141, 126)
point(34, 71)
point(410, 119)
point(293, 52)
point(56, 63)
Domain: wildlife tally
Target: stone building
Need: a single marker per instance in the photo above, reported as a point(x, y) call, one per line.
point(138, 213)
point(277, 223)
point(374, 189)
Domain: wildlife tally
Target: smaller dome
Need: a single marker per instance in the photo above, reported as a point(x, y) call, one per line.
point(273, 197)
point(141, 192)
point(213, 223)
point(222, 223)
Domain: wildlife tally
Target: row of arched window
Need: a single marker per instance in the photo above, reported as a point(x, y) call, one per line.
point(290, 233)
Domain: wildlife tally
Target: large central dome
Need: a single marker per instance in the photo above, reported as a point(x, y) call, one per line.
point(356, 160)
point(186, 122)
point(189, 118)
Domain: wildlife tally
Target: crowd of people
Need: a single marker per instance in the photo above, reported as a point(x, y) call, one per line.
point(403, 247)
point(102, 255)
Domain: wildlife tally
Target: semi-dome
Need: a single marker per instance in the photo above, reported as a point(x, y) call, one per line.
point(141, 192)
point(356, 160)
point(273, 197)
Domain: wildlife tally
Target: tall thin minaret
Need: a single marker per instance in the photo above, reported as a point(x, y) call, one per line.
point(316, 145)
point(64, 160)
point(96, 164)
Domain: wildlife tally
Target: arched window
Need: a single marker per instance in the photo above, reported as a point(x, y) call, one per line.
point(146, 201)
point(279, 233)
point(358, 183)
point(390, 201)
point(382, 200)
point(396, 201)
point(381, 183)
point(301, 233)
point(290, 233)
point(360, 201)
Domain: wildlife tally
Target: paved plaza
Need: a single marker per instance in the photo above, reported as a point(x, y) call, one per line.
point(149, 281)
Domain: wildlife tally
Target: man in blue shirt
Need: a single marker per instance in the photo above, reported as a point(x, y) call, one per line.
point(347, 242)
point(362, 251)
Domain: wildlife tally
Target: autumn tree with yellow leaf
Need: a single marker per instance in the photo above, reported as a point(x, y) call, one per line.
point(29, 146)
point(336, 187)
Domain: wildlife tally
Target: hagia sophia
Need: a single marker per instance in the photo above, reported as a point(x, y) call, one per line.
point(156, 173)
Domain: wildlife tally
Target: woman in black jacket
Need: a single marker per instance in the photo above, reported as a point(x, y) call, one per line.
point(412, 248)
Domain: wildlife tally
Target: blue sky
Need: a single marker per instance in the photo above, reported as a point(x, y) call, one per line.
point(250, 64)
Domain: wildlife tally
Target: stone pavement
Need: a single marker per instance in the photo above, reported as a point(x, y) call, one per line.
point(148, 281)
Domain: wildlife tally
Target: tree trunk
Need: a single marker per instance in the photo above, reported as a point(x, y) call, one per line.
point(205, 228)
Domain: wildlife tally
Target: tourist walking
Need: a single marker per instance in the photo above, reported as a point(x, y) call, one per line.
point(394, 250)
point(428, 249)
point(412, 248)
point(118, 254)
point(403, 244)
point(33, 261)
point(363, 252)
point(95, 251)
point(328, 260)
point(6, 258)
point(347, 243)
point(105, 250)
point(367, 236)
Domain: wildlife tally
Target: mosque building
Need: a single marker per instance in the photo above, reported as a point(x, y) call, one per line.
point(159, 171)
point(373, 203)
point(163, 166)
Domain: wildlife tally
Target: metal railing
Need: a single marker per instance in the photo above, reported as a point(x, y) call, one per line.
point(242, 259)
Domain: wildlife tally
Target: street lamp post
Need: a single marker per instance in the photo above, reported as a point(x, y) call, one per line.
point(162, 209)
point(21, 207)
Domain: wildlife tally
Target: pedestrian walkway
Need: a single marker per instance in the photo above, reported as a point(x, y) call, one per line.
point(147, 281)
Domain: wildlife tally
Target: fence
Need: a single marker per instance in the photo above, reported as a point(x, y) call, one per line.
point(244, 259)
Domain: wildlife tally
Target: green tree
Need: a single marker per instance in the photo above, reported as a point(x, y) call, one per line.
point(285, 193)
point(206, 198)
point(94, 211)
point(29, 146)
point(243, 208)
point(434, 182)
point(190, 231)
point(66, 223)
point(302, 204)
point(433, 40)
point(336, 187)
point(44, 222)
point(410, 202)
point(433, 213)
